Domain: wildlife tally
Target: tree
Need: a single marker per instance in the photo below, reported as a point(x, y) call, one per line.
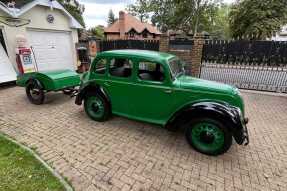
point(219, 27)
point(97, 31)
point(257, 19)
point(185, 15)
point(111, 17)
point(141, 8)
point(75, 11)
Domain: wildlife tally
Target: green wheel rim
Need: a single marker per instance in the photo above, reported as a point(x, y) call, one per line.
point(95, 107)
point(207, 137)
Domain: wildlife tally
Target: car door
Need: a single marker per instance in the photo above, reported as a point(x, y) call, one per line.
point(120, 78)
point(153, 92)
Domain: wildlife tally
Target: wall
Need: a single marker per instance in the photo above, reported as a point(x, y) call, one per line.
point(192, 57)
point(140, 37)
point(38, 15)
point(112, 36)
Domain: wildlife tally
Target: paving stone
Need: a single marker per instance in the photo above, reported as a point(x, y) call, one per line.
point(122, 154)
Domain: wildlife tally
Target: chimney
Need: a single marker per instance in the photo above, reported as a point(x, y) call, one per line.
point(122, 24)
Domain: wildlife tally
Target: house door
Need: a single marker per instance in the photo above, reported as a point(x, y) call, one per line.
point(7, 72)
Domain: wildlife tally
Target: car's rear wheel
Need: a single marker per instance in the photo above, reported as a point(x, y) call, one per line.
point(208, 136)
point(35, 93)
point(97, 107)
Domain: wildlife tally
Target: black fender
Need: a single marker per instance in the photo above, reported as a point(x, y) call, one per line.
point(90, 89)
point(34, 80)
point(229, 115)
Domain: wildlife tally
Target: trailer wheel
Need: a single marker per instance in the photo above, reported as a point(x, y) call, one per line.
point(35, 93)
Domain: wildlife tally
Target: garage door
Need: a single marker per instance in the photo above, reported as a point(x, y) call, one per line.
point(53, 50)
point(7, 72)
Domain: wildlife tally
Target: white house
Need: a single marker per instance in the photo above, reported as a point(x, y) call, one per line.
point(51, 31)
point(282, 35)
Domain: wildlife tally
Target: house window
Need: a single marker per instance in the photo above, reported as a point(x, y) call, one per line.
point(132, 34)
point(144, 34)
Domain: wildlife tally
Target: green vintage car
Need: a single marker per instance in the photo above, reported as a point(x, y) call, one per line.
point(152, 87)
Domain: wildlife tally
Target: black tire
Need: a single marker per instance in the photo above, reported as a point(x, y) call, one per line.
point(97, 107)
point(218, 134)
point(172, 128)
point(35, 93)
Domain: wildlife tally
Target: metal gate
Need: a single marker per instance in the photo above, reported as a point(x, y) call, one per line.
point(256, 65)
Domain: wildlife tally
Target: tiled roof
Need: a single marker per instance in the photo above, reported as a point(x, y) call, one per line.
point(131, 22)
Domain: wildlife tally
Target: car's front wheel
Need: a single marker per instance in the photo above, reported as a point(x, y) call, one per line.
point(97, 107)
point(208, 136)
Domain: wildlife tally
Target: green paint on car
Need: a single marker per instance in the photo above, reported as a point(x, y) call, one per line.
point(51, 80)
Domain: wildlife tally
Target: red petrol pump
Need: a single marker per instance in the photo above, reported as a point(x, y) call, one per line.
point(24, 57)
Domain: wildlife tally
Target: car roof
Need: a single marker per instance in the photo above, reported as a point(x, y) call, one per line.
point(147, 54)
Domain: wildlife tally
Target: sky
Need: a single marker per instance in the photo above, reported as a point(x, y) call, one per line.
point(96, 11)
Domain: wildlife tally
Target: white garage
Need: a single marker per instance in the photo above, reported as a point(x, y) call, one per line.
point(53, 52)
point(50, 29)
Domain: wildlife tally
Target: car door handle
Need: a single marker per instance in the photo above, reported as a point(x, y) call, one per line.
point(168, 91)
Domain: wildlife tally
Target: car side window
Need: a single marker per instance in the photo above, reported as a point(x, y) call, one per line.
point(121, 67)
point(101, 66)
point(150, 71)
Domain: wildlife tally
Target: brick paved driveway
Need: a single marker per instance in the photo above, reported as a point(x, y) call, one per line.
point(127, 155)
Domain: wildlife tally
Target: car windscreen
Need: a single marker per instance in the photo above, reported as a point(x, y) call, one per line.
point(176, 67)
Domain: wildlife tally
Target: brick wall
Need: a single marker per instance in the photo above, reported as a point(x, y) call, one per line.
point(192, 57)
point(185, 55)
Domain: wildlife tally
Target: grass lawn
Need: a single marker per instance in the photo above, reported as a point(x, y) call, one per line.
point(20, 171)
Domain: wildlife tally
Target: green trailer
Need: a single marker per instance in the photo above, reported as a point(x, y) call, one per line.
point(39, 83)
